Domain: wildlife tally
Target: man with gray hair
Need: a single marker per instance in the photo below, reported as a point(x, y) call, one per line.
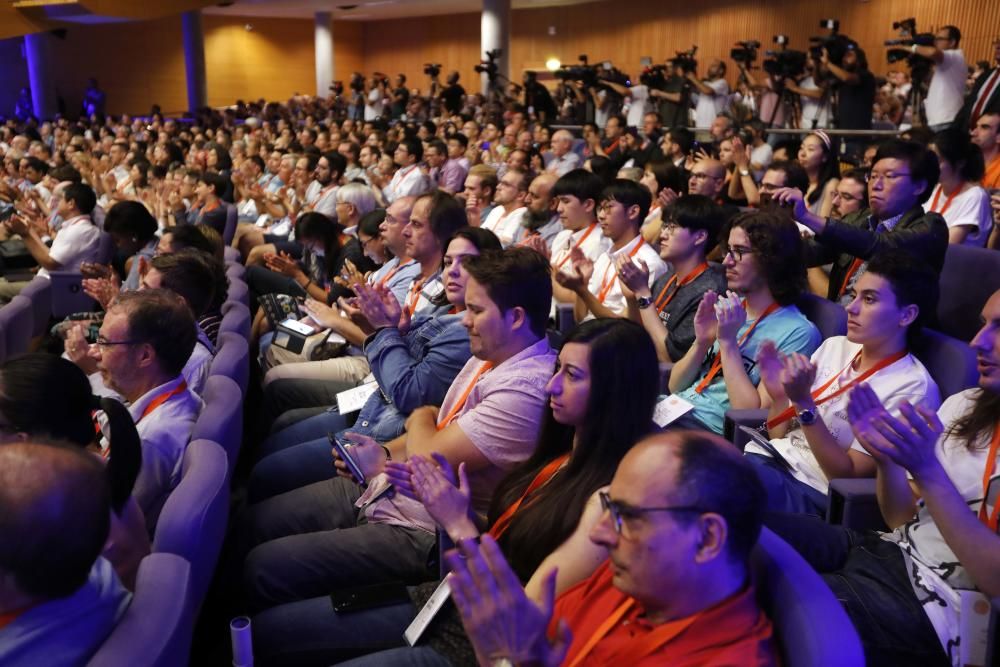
point(563, 158)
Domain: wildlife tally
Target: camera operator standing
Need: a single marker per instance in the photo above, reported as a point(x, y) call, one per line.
point(400, 97)
point(814, 100)
point(673, 110)
point(855, 91)
point(375, 97)
point(453, 95)
point(947, 87)
point(713, 93)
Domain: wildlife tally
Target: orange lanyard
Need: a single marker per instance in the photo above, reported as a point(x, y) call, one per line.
point(991, 519)
point(662, 302)
point(545, 474)
point(947, 202)
point(612, 146)
point(637, 649)
point(608, 282)
point(855, 265)
point(460, 403)
point(789, 412)
point(717, 358)
point(161, 399)
point(388, 276)
point(413, 297)
point(579, 243)
point(207, 209)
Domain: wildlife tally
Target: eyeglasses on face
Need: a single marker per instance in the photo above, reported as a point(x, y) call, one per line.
point(620, 511)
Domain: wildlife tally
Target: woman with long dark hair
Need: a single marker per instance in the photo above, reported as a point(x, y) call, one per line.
point(817, 157)
point(43, 396)
point(601, 399)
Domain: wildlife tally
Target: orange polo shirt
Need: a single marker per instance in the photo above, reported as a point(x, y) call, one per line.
point(734, 632)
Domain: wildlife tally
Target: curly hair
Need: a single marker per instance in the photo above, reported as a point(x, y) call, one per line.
point(778, 251)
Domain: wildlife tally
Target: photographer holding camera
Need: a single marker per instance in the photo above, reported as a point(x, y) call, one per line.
point(375, 96)
point(947, 87)
point(855, 90)
point(713, 93)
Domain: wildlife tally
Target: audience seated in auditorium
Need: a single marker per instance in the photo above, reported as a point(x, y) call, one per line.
point(309, 538)
point(903, 589)
point(807, 398)
point(765, 275)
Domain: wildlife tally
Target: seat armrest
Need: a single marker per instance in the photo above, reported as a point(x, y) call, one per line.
point(752, 418)
point(854, 504)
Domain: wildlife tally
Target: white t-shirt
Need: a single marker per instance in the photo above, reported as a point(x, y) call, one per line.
point(934, 570)
point(710, 106)
point(762, 155)
point(604, 282)
point(969, 208)
point(638, 105)
point(946, 92)
point(406, 182)
point(905, 380)
point(78, 241)
point(504, 225)
point(813, 108)
point(374, 104)
point(592, 242)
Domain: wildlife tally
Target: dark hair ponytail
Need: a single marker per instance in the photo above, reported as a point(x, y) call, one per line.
point(126, 459)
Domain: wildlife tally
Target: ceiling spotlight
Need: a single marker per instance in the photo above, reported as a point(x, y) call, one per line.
point(552, 64)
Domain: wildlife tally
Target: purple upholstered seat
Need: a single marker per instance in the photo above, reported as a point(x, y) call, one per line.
point(232, 359)
point(193, 521)
point(811, 626)
point(39, 292)
point(156, 629)
point(16, 322)
point(221, 420)
point(236, 318)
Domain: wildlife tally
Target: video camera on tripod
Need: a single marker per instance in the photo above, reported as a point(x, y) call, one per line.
point(836, 45)
point(489, 65)
point(685, 60)
point(784, 63)
point(901, 49)
point(745, 53)
point(593, 76)
point(433, 70)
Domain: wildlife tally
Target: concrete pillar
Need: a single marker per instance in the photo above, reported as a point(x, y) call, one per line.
point(38, 52)
point(323, 39)
point(495, 34)
point(194, 59)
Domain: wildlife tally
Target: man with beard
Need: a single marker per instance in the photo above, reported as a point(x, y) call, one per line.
point(505, 219)
point(541, 218)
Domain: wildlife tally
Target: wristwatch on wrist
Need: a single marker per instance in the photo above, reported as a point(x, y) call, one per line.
point(643, 302)
point(744, 172)
point(807, 416)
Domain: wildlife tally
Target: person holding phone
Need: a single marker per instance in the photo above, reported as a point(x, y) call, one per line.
point(540, 513)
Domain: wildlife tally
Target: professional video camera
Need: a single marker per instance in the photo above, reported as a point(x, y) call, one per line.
point(490, 64)
point(685, 60)
point(745, 53)
point(592, 76)
point(784, 63)
point(337, 87)
point(836, 45)
point(899, 49)
point(654, 76)
point(432, 69)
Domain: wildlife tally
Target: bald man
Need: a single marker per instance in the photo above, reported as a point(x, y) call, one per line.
point(563, 158)
point(708, 177)
point(59, 599)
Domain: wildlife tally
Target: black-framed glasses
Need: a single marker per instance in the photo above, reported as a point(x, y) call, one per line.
point(737, 252)
point(104, 342)
point(620, 511)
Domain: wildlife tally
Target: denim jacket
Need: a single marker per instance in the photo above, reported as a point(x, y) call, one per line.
point(412, 370)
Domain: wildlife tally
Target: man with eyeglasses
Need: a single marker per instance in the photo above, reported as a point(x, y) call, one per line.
point(680, 519)
point(947, 87)
point(505, 219)
point(145, 340)
point(666, 310)
point(901, 180)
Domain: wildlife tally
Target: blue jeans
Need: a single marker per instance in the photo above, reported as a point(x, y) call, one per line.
point(310, 632)
point(784, 492)
point(868, 576)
